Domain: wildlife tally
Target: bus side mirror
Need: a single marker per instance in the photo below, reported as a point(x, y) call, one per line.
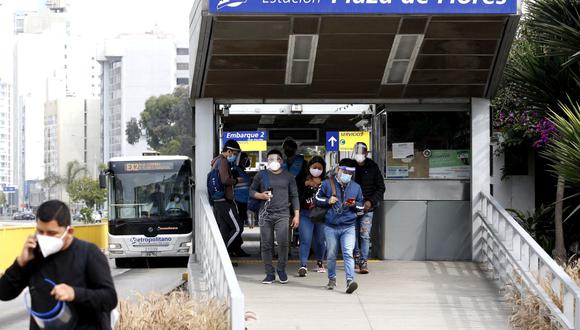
point(102, 180)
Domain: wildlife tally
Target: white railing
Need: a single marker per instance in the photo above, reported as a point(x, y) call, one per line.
point(217, 269)
point(518, 260)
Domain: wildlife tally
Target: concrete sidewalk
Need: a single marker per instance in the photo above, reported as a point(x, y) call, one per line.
point(395, 295)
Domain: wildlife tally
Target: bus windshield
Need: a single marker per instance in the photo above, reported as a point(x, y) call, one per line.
point(156, 189)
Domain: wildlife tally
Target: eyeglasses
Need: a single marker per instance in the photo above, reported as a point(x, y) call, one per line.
point(274, 159)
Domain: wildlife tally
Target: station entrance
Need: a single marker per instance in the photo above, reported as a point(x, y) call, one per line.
point(418, 82)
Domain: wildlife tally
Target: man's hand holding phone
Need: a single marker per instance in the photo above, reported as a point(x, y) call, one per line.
point(27, 253)
point(351, 202)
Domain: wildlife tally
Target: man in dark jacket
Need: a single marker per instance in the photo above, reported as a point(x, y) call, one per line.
point(225, 209)
point(79, 270)
point(369, 177)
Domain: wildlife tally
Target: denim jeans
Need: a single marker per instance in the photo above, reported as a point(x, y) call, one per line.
point(345, 236)
point(311, 234)
point(364, 225)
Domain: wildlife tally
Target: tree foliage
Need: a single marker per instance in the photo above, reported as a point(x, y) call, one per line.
point(557, 26)
point(87, 190)
point(2, 198)
point(133, 131)
point(167, 123)
point(542, 76)
point(565, 149)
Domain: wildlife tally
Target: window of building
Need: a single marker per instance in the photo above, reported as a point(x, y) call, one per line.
point(182, 66)
point(182, 51)
point(182, 81)
point(434, 145)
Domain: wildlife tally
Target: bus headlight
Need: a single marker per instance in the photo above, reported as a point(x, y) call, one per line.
point(185, 244)
point(114, 246)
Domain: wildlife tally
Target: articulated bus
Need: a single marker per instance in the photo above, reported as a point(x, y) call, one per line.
point(150, 207)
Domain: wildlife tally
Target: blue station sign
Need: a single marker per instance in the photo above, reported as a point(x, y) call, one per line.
point(443, 7)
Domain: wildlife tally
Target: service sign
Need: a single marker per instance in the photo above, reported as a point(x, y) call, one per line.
point(347, 140)
point(364, 6)
point(249, 141)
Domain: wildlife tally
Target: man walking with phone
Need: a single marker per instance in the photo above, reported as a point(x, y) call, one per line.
point(55, 266)
point(344, 199)
point(276, 188)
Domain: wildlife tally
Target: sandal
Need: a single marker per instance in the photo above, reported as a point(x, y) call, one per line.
point(321, 268)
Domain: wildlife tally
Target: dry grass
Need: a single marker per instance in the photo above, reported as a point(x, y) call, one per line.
point(173, 311)
point(529, 312)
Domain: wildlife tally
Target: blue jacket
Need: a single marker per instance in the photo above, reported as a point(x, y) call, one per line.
point(339, 214)
point(242, 189)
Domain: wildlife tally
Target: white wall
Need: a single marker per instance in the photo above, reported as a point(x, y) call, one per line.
point(515, 191)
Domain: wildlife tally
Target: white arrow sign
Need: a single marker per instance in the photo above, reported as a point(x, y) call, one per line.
point(332, 141)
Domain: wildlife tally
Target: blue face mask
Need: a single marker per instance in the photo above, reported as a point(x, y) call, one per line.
point(232, 158)
point(345, 178)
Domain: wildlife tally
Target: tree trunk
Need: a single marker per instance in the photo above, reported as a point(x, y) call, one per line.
point(559, 252)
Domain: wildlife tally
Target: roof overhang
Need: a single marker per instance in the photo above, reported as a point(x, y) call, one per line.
point(242, 55)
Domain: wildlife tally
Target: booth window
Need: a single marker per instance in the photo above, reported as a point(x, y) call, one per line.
point(432, 145)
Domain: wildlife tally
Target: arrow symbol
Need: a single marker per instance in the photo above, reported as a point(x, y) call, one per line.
point(332, 141)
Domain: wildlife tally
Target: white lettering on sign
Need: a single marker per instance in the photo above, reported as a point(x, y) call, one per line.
point(245, 135)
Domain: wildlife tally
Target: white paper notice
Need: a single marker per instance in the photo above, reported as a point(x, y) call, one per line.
point(403, 150)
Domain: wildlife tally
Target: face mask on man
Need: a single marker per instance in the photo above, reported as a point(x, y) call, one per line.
point(177, 199)
point(345, 178)
point(274, 165)
point(232, 158)
point(360, 158)
point(50, 245)
point(315, 172)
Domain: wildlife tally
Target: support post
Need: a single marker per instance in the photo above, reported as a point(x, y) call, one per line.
point(204, 133)
point(480, 165)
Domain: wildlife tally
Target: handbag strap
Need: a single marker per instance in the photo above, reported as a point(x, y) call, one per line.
point(333, 187)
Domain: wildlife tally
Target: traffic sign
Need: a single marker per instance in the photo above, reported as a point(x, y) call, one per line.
point(249, 141)
point(349, 139)
point(331, 141)
point(9, 189)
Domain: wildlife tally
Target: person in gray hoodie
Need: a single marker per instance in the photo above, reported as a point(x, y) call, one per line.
point(277, 189)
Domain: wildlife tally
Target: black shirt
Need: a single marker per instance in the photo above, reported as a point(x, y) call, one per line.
point(369, 177)
point(82, 266)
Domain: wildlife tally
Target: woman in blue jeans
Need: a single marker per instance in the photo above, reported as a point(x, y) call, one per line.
point(311, 234)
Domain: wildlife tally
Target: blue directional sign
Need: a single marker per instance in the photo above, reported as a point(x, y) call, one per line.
point(331, 141)
point(364, 6)
point(9, 189)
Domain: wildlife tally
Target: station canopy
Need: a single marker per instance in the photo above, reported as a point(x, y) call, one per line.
point(284, 50)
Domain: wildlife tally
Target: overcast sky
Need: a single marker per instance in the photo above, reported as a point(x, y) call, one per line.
point(99, 19)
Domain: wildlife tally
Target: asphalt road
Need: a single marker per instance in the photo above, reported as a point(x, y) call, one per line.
point(154, 276)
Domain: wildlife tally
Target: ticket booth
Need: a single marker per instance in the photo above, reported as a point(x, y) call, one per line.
point(424, 70)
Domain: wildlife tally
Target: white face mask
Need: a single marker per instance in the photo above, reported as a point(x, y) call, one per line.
point(360, 158)
point(177, 199)
point(315, 172)
point(50, 245)
point(274, 166)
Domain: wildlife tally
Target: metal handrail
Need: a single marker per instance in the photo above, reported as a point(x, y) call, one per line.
point(218, 272)
point(519, 260)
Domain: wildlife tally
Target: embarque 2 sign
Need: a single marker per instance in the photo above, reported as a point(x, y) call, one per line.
point(364, 6)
